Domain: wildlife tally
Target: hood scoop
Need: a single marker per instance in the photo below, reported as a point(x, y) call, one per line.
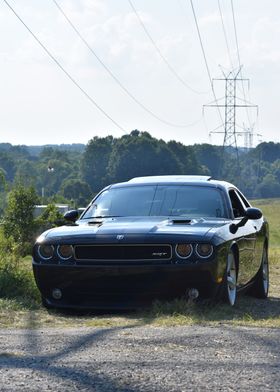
point(95, 223)
point(182, 221)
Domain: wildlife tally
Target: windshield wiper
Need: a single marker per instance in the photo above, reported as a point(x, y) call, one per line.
point(103, 216)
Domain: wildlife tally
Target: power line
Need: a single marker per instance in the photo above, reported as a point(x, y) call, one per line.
point(225, 34)
point(64, 70)
point(121, 85)
point(205, 60)
point(235, 34)
point(238, 57)
point(170, 67)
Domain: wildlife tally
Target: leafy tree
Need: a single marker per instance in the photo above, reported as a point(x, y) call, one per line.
point(51, 153)
point(7, 164)
point(2, 179)
point(138, 154)
point(78, 190)
point(51, 217)
point(186, 159)
point(276, 169)
point(210, 157)
point(19, 222)
point(52, 174)
point(269, 187)
point(95, 161)
point(26, 173)
point(268, 152)
point(3, 190)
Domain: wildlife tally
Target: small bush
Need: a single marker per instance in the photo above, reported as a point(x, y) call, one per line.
point(16, 276)
point(18, 222)
point(50, 218)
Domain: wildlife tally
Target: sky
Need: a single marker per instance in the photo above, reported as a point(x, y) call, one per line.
point(40, 105)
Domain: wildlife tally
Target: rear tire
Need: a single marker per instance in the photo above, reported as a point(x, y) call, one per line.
point(261, 284)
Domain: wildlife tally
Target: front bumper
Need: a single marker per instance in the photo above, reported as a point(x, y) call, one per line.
point(122, 287)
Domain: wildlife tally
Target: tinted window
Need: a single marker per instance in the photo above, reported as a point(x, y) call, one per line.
point(173, 200)
point(131, 201)
point(237, 206)
point(245, 202)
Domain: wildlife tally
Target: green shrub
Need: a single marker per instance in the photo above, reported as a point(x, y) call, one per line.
point(19, 223)
point(16, 276)
point(51, 217)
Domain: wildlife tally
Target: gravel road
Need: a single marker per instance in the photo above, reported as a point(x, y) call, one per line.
point(142, 358)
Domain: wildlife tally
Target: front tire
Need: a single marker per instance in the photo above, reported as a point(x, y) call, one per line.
point(45, 303)
point(230, 280)
point(261, 285)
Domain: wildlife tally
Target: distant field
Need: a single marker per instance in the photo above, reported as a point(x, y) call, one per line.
point(271, 210)
point(21, 311)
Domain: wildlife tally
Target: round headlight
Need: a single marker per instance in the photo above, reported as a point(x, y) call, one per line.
point(204, 250)
point(46, 251)
point(65, 252)
point(184, 250)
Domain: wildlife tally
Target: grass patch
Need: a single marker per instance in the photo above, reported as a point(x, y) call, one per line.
point(271, 210)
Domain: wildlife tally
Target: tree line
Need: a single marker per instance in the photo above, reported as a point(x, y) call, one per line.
point(72, 174)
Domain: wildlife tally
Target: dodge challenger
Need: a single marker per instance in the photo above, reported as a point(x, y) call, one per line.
point(149, 238)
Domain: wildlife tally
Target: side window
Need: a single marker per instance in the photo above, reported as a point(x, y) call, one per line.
point(245, 202)
point(237, 206)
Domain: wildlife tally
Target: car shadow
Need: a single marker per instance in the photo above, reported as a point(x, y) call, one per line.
point(53, 361)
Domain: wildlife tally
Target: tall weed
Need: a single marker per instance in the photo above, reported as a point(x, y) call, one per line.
point(16, 277)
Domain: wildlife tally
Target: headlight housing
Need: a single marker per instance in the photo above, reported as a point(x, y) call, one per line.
point(65, 252)
point(204, 250)
point(45, 251)
point(184, 251)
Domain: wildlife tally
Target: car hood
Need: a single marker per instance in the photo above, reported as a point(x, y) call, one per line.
point(135, 226)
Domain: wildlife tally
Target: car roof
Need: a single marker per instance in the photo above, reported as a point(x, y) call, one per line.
point(175, 179)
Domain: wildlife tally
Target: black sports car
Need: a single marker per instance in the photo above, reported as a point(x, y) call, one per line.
point(155, 238)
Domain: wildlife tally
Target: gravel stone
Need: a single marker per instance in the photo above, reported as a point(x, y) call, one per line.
point(126, 359)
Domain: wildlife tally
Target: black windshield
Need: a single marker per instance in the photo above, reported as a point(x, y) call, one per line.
point(165, 200)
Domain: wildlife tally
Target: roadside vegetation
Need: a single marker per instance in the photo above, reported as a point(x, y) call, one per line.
point(20, 304)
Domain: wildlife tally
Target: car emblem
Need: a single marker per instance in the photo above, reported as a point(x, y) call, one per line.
point(120, 237)
point(160, 254)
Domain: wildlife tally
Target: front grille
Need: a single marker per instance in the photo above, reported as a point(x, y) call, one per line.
point(123, 252)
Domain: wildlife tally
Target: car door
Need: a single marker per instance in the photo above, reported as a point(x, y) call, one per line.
point(246, 237)
point(260, 235)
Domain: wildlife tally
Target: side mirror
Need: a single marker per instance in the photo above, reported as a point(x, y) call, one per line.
point(71, 216)
point(250, 213)
point(253, 213)
point(81, 210)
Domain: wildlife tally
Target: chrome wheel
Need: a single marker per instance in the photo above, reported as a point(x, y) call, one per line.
point(265, 272)
point(231, 278)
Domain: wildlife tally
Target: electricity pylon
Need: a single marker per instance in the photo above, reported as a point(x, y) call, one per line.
point(230, 103)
